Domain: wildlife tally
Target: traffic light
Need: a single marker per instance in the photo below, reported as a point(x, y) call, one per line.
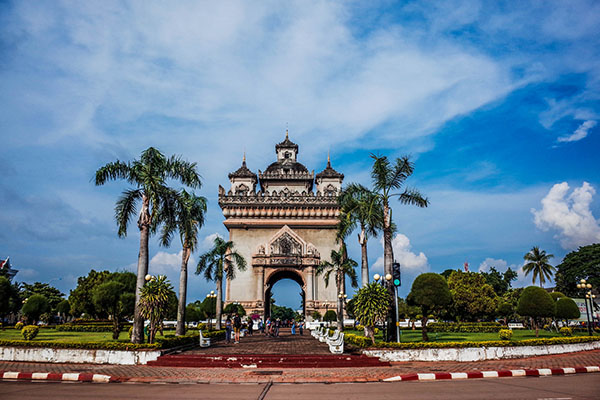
point(396, 274)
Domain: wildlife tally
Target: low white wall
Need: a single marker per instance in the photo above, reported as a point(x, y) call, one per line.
point(478, 353)
point(78, 356)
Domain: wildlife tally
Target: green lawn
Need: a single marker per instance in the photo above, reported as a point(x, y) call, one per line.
point(46, 334)
point(415, 336)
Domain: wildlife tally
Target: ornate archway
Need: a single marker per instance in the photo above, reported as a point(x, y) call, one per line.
point(286, 256)
point(277, 275)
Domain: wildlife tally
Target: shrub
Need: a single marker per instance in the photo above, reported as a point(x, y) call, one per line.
point(465, 327)
point(505, 334)
point(360, 327)
point(35, 306)
point(30, 331)
point(566, 331)
point(19, 325)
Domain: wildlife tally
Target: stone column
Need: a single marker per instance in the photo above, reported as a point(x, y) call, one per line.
point(260, 283)
point(310, 277)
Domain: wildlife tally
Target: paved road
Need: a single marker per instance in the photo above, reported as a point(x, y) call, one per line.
point(584, 386)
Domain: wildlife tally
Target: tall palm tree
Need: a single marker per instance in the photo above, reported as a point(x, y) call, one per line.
point(190, 218)
point(341, 266)
point(149, 176)
point(388, 178)
point(538, 264)
point(360, 206)
point(221, 260)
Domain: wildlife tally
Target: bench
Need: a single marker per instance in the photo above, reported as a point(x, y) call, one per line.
point(204, 342)
point(337, 346)
point(333, 338)
point(324, 335)
point(516, 326)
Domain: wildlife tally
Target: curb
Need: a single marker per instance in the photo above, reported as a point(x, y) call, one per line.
point(492, 374)
point(48, 376)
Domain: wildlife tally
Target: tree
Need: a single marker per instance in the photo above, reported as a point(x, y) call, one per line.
point(556, 295)
point(282, 313)
point(316, 316)
point(330, 316)
point(500, 282)
point(53, 295)
point(80, 298)
point(387, 179)
point(584, 263)
point(208, 307)
point(538, 264)
point(505, 310)
point(154, 303)
point(149, 177)
point(193, 313)
point(472, 297)
point(567, 309)
point(371, 306)
point(430, 292)
point(107, 297)
point(359, 206)
point(35, 306)
point(222, 260)
point(190, 218)
point(535, 303)
point(64, 309)
point(341, 267)
point(8, 297)
point(234, 309)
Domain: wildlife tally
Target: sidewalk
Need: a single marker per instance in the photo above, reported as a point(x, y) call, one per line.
point(314, 375)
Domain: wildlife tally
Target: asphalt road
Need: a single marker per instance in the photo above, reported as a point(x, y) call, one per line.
point(581, 386)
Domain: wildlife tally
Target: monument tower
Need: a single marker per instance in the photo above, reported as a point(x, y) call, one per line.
point(283, 222)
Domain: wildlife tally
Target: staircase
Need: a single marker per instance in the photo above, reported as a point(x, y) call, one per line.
point(266, 361)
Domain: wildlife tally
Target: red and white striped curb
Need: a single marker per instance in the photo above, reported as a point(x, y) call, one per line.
point(49, 376)
point(492, 374)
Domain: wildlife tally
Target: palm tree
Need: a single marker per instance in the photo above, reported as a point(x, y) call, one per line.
point(359, 206)
point(148, 175)
point(538, 264)
point(221, 260)
point(386, 179)
point(341, 266)
point(190, 218)
point(154, 303)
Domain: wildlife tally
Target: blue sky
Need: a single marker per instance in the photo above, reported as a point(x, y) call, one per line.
point(497, 103)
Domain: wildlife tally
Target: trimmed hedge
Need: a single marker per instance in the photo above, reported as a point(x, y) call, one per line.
point(361, 342)
point(161, 343)
point(97, 327)
point(505, 334)
point(29, 332)
point(465, 327)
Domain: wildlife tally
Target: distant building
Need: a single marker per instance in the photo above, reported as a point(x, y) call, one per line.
point(283, 222)
point(6, 269)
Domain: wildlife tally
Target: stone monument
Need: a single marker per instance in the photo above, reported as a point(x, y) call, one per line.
point(283, 222)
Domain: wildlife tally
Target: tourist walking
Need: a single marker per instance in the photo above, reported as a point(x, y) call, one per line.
point(301, 327)
point(237, 327)
point(293, 327)
point(228, 329)
point(250, 326)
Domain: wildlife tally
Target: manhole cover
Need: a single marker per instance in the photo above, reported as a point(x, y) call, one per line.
point(266, 372)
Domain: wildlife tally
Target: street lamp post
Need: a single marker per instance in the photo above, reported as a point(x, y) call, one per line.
point(341, 302)
point(211, 295)
point(588, 295)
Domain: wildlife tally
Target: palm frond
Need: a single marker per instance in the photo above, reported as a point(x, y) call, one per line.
point(184, 171)
point(126, 208)
point(112, 171)
point(414, 198)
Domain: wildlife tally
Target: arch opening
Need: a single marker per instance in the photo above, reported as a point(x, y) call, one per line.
point(279, 275)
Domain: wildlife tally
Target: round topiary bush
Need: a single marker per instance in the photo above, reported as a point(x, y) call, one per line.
point(505, 334)
point(19, 326)
point(566, 331)
point(29, 332)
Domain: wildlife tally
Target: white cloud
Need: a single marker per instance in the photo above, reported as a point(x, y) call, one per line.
point(580, 133)
point(410, 262)
point(570, 215)
point(488, 263)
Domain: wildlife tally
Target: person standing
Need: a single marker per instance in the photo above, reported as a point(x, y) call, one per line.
point(293, 327)
point(301, 327)
point(237, 327)
point(228, 329)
